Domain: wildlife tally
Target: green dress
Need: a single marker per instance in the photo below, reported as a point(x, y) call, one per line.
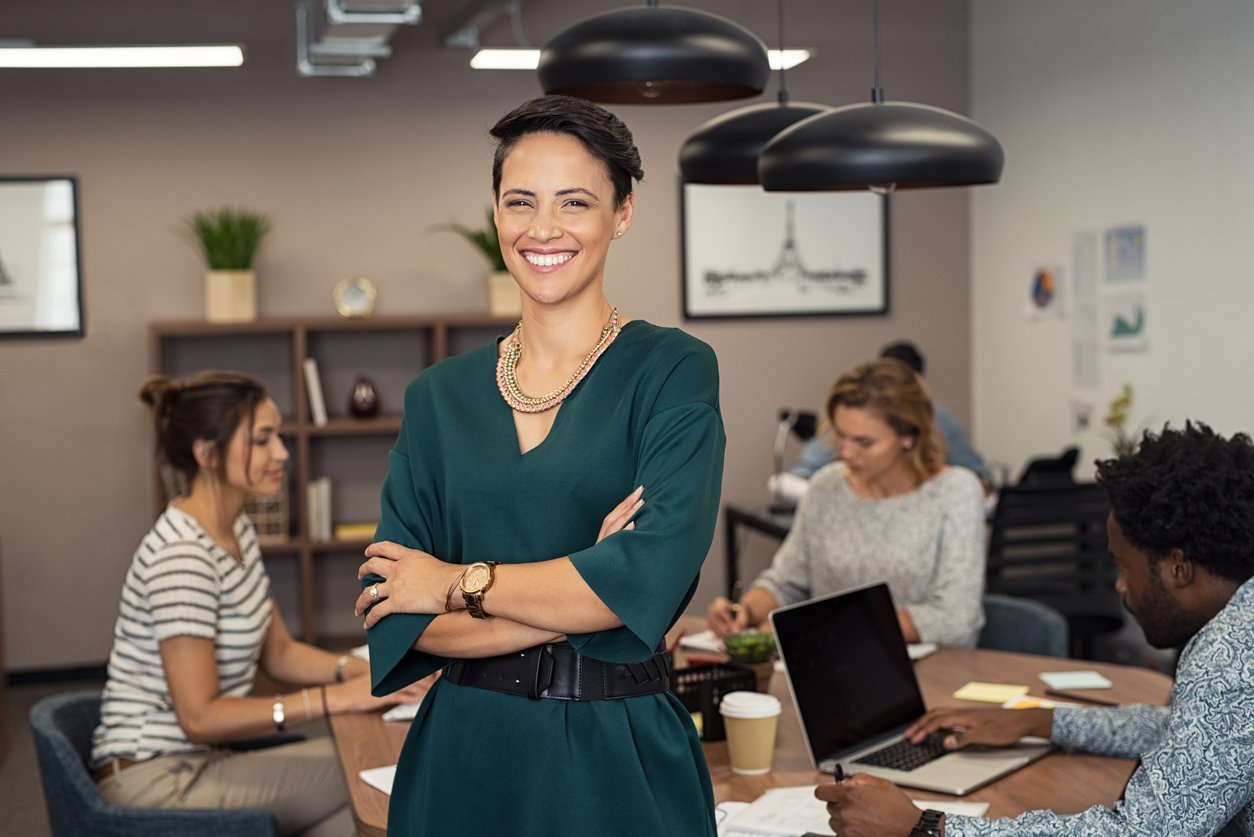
point(479, 762)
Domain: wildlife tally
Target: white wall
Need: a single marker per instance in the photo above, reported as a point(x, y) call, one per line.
point(1114, 112)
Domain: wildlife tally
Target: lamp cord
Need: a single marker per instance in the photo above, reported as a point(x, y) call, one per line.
point(877, 93)
point(783, 65)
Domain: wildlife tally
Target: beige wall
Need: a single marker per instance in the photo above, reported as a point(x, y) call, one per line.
point(354, 172)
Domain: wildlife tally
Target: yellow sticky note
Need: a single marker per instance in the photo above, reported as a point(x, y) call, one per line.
point(990, 692)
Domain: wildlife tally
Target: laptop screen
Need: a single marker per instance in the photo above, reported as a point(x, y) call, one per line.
point(848, 668)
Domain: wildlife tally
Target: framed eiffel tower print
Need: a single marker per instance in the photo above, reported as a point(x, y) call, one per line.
point(41, 289)
point(752, 253)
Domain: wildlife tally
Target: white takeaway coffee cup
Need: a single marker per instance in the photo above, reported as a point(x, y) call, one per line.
point(750, 719)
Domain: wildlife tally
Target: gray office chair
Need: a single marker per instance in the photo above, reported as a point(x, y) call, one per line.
point(1023, 626)
point(62, 727)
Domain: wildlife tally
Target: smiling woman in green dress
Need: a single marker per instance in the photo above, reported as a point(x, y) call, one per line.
point(495, 559)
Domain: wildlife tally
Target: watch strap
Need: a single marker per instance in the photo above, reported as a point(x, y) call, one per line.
point(929, 825)
point(474, 598)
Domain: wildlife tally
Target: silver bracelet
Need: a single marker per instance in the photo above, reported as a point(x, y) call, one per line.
point(340, 665)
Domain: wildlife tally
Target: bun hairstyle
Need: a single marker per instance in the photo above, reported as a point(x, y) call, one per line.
point(602, 133)
point(895, 393)
point(209, 407)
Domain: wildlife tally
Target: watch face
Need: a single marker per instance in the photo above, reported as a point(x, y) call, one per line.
point(475, 579)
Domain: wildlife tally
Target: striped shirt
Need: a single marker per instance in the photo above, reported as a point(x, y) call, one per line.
point(180, 583)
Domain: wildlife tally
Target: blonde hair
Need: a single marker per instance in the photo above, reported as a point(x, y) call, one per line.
point(896, 394)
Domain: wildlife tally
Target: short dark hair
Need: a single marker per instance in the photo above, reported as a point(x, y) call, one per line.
point(906, 352)
point(208, 406)
point(602, 133)
point(1190, 489)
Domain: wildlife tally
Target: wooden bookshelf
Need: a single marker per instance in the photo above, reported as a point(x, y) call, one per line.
point(391, 351)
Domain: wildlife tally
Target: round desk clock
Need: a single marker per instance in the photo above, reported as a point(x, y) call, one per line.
point(354, 297)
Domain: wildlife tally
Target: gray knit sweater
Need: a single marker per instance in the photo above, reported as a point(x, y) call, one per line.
point(928, 545)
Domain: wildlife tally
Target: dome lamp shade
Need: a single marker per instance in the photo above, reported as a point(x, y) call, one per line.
point(655, 55)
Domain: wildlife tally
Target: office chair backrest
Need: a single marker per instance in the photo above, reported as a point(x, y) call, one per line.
point(1048, 543)
point(1023, 626)
point(62, 726)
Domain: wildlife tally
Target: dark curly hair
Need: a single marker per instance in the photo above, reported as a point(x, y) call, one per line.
point(602, 133)
point(1190, 489)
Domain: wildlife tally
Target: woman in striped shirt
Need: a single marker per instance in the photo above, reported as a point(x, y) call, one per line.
point(196, 622)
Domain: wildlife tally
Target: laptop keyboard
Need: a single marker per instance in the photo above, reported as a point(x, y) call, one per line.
point(902, 755)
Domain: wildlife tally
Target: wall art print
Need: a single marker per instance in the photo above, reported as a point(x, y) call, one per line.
point(752, 253)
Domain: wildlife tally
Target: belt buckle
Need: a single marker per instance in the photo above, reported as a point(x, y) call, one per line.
point(541, 672)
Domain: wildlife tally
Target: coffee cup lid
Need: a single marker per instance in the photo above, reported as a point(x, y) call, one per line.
point(748, 705)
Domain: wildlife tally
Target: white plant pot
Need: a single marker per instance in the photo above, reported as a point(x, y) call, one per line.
point(503, 297)
point(230, 296)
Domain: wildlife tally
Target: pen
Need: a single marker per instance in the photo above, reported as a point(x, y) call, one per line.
point(1072, 696)
point(735, 599)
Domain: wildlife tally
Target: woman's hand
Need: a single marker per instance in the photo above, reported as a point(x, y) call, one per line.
point(725, 617)
point(413, 582)
point(353, 695)
point(620, 517)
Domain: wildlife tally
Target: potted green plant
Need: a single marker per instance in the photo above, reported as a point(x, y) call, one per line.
point(503, 297)
point(228, 240)
point(754, 650)
point(1122, 441)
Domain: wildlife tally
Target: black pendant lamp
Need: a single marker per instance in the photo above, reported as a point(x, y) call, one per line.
point(881, 146)
point(654, 55)
point(725, 150)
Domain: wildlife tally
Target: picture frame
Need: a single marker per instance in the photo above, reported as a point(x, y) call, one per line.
point(41, 284)
point(752, 253)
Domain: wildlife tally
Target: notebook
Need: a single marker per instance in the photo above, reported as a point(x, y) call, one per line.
point(855, 692)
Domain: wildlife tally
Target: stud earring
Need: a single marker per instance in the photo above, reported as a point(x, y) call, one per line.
point(907, 445)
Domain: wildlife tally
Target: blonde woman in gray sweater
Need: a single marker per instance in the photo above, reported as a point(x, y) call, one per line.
point(890, 511)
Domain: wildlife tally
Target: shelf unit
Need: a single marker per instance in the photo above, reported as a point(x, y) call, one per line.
point(391, 351)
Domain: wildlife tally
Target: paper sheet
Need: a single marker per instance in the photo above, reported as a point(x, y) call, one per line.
point(709, 642)
point(379, 778)
point(793, 811)
point(1070, 680)
point(990, 692)
point(402, 712)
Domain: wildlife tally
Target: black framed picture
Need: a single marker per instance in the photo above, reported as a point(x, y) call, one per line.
point(41, 283)
point(752, 253)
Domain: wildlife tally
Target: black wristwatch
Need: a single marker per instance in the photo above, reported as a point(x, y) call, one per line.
point(929, 825)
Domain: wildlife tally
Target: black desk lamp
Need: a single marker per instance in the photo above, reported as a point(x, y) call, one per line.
point(801, 423)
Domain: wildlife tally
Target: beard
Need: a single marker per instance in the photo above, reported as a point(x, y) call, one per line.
point(1165, 623)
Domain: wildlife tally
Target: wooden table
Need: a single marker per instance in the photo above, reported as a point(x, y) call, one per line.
point(1065, 782)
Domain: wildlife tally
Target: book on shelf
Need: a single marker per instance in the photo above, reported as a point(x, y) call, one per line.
point(313, 393)
point(359, 531)
point(318, 503)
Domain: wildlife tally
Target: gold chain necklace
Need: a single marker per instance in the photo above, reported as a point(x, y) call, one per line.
point(507, 366)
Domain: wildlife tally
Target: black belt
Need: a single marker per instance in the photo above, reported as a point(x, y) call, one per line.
point(562, 673)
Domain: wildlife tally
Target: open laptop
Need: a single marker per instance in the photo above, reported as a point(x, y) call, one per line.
point(855, 692)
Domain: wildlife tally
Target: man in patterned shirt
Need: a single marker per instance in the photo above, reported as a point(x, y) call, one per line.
point(1181, 531)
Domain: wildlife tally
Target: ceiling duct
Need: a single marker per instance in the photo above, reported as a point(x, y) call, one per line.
point(344, 37)
point(473, 18)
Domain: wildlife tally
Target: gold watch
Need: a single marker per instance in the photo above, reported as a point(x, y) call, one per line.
point(476, 581)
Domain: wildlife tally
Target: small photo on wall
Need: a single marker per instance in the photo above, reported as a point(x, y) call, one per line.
point(1125, 254)
point(1125, 321)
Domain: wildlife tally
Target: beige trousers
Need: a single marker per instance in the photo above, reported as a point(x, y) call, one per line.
point(301, 784)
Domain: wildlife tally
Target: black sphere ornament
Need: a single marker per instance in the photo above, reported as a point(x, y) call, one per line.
point(363, 402)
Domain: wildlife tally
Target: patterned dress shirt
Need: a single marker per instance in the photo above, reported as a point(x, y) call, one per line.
point(1197, 755)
